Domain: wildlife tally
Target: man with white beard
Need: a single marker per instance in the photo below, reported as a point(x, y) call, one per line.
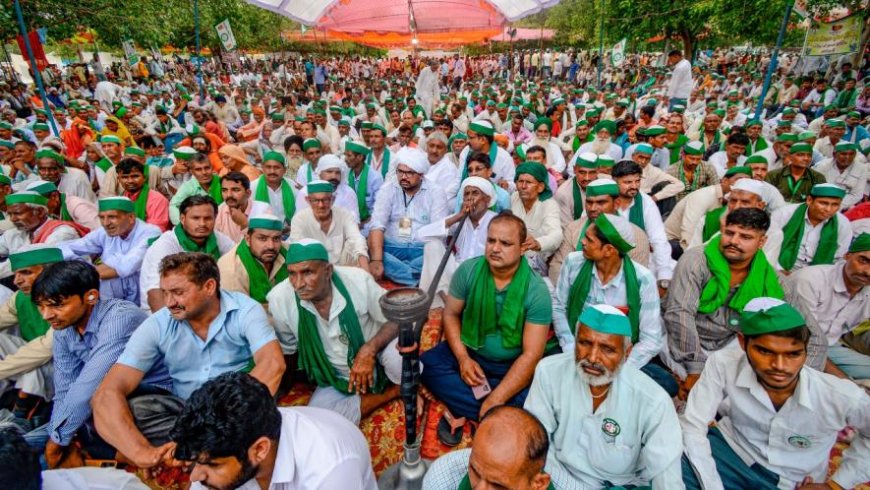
point(603, 142)
point(543, 137)
point(591, 403)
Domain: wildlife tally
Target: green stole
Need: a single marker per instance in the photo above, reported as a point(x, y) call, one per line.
point(583, 234)
point(141, 202)
point(288, 200)
point(675, 148)
point(712, 223)
point(64, 212)
point(578, 199)
point(188, 245)
point(104, 164)
point(583, 283)
point(479, 317)
point(793, 233)
point(214, 189)
point(635, 214)
point(846, 98)
point(361, 190)
point(759, 145)
point(309, 174)
point(465, 484)
point(694, 185)
point(760, 282)
point(30, 321)
point(312, 356)
point(259, 283)
point(385, 162)
point(493, 153)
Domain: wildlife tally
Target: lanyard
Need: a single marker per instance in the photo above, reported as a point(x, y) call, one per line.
point(792, 185)
point(407, 201)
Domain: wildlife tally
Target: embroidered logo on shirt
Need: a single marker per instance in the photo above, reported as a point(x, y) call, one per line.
point(799, 442)
point(610, 427)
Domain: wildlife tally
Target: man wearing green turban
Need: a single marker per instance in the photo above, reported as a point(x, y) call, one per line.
point(532, 204)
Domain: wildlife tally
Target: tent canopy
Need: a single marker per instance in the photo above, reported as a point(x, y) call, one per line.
point(387, 23)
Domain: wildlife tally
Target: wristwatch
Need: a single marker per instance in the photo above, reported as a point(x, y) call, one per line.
point(664, 283)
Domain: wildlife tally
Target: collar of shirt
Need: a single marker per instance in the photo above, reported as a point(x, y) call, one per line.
point(335, 308)
point(228, 303)
point(746, 378)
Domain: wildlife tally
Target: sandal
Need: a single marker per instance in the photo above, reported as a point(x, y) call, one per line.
point(448, 433)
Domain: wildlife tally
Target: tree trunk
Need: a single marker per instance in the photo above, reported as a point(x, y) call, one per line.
point(688, 43)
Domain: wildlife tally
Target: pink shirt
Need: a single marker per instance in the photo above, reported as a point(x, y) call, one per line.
point(156, 209)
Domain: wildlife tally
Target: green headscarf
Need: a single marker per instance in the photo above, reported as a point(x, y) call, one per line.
point(539, 172)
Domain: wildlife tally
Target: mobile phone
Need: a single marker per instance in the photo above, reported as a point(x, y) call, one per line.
point(481, 391)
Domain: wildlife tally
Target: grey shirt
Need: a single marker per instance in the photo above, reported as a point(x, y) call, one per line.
point(692, 334)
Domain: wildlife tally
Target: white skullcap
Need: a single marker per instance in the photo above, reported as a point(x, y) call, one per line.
point(484, 185)
point(327, 162)
point(413, 158)
point(750, 185)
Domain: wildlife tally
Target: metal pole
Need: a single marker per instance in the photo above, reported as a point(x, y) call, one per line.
point(772, 66)
point(12, 73)
point(804, 47)
point(198, 57)
point(37, 77)
point(600, 44)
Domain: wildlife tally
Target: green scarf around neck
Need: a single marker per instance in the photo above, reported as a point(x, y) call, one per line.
point(214, 189)
point(465, 484)
point(793, 233)
point(259, 283)
point(761, 281)
point(493, 153)
point(635, 214)
point(480, 319)
point(210, 247)
point(583, 284)
point(312, 356)
point(140, 205)
point(578, 199)
point(361, 189)
point(385, 161)
point(288, 200)
point(30, 321)
point(712, 223)
point(64, 211)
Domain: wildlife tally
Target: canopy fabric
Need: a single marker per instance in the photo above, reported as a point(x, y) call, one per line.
point(386, 23)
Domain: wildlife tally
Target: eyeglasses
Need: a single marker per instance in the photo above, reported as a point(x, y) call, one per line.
point(409, 173)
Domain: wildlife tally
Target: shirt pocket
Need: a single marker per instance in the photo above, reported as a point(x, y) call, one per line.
point(613, 457)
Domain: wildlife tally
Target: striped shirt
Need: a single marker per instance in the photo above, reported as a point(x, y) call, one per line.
point(82, 361)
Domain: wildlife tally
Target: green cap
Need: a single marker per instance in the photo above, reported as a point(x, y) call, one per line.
point(606, 160)
point(357, 148)
point(860, 244)
point(482, 127)
point(835, 123)
point(587, 160)
point(183, 152)
point(110, 138)
point(310, 143)
point(42, 187)
point(275, 157)
point(654, 130)
point(800, 148)
point(602, 187)
point(47, 153)
point(644, 148)
point(135, 151)
point(605, 225)
point(26, 197)
point(806, 136)
point(40, 127)
point(7, 144)
point(316, 186)
point(306, 249)
point(845, 146)
point(754, 159)
point(5, 180)
point(741, 169)
point(378, 127)
point(787, 137)
point(116, 203)
point(828, 190)
point(35, 255)
point(266, 222)
point(693, 148)
point(606, 319)
point(609, 126)
point(767, 315)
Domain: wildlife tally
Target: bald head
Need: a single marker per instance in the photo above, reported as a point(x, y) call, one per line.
point(509, 450)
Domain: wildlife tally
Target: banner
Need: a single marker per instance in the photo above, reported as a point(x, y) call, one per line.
point(130, 52)
point(225, 34)
point(36, 46)
point(840, 37)
point(617, 55)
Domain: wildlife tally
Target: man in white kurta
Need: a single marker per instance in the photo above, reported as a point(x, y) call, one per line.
point(331, 225)
point(427, 90)
point(365, 295)
point(532, 203)
point(755, 441)
point(846, 171)
point(631, 437)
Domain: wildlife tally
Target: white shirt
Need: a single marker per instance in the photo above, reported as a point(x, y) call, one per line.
point(445, 175)
point(427, 205)
point(167, 244)
point(503, 167)
point(317, 450)
point(662, 265)
point(680, 86)
point(853, 179)
point(276, 199)
point(471, 241)
point(812, 235)
point(820, 406)
point(719, 161)
point(14, 239)
point(87, 478)
point(345, 198)
point(824, 290)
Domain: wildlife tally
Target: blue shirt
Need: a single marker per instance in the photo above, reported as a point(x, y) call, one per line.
point(82, 361)
point(240, 329)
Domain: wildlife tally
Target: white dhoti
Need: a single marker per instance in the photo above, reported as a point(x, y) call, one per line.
point(348, 406)
point(36, 382)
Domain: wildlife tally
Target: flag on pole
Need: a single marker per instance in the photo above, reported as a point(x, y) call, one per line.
point(225, 34)
point(617, 55)
point(130, 51)
point(302, 26)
